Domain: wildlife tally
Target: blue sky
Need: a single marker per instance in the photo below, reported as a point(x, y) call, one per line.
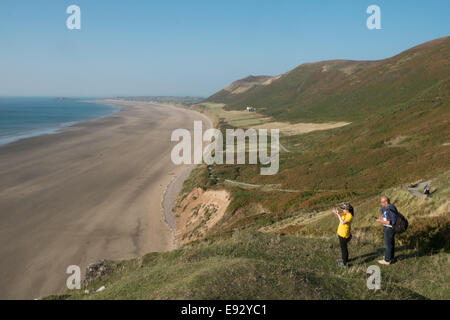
point(193, 47)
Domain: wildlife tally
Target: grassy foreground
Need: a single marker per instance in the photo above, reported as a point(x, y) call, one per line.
point(254, 265)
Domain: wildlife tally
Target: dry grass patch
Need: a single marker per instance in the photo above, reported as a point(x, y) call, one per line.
point(292, 129)
point(255, 120)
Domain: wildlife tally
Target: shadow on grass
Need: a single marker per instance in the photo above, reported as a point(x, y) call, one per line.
point(417, 254)
point(379, 254)
point(368, 257)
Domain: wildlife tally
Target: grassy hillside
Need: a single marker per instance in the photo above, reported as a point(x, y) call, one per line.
point(400, 130)
point(285, 259)
point(258, 266)
point(348, 90)
point(403, 144)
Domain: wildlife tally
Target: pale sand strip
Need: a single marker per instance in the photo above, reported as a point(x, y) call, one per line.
point(174, 188)
point(91, 192)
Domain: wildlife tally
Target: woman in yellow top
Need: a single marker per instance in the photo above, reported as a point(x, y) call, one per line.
point(344, 230)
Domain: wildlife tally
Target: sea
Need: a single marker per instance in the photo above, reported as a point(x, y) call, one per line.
point(24, 117)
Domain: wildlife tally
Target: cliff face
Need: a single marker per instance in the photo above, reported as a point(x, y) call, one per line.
point(199, 212)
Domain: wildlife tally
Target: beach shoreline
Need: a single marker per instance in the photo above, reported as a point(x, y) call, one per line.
point(173, 189)
point(58, 127)
point(95, 190)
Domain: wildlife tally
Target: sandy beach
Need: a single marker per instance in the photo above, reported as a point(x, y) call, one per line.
point(93, 191)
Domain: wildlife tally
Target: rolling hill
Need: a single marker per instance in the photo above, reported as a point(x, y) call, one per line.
point(346, 90)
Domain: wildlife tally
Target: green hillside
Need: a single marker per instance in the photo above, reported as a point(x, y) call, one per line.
point(252, 265)
point(404, 137)
point(348, 90)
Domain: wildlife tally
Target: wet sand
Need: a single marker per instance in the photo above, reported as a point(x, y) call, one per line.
point(93, 191)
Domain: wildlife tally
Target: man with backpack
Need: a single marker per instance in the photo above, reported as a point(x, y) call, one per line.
point(389, 217)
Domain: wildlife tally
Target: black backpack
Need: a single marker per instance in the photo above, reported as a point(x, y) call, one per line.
point(401, 223)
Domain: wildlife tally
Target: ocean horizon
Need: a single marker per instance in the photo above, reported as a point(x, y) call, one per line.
point(25, 117)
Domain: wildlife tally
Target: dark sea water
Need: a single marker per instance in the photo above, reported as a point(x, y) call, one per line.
point(27, 117)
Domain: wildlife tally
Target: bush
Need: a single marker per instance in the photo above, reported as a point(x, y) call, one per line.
point(428, 234)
